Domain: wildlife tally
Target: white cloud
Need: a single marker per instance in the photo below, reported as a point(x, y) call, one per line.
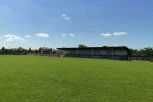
point(42, 35)
point(63, 35)
point(119, 33)
point(66, 17)
point(113, 34)
point(27, 36)
point(10, 38)
point(106, 34)
point(71, 34)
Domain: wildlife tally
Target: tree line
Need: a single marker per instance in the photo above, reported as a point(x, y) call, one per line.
point(23, 51)
point(148, 51)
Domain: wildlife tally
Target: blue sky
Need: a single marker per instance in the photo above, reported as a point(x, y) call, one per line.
point(68, 23)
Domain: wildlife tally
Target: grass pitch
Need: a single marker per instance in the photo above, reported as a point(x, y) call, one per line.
point(46, 79)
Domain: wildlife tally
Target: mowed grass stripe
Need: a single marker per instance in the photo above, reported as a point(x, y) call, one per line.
point(48, 79)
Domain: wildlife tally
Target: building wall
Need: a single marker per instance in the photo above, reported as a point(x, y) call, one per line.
point(120, 52)
point(96, 52)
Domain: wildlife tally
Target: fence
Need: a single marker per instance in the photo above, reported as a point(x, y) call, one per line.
point(39, 54)
point(141, 58)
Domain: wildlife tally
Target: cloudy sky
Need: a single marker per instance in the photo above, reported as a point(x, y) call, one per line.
point(67, 23)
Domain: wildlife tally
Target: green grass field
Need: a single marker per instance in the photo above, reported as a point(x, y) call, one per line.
point(47, 79)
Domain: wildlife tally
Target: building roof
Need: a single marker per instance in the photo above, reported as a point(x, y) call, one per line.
point(97, 48)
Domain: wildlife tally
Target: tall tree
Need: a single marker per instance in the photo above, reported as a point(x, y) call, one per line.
point(29, 50)
point(3, 50)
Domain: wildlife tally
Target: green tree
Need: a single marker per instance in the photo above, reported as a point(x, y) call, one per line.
point(82, 46)
point(3, 50)
point(29, 50)
point(148, 51)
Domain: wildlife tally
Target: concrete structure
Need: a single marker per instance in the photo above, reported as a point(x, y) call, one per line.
point(117, 52)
